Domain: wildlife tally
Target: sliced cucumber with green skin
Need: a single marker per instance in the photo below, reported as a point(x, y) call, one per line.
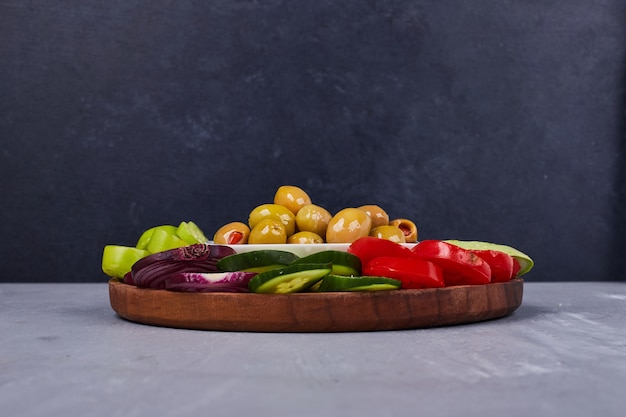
point(118, 260)
point(525, 262)
point(145, 237)
point(332, 283)
point(162, 240)
point(255, 259)
point(344, 263)
point(315, 287)
point(259, 269)
point(191, 233)
point(374, 287)
point(290, 279)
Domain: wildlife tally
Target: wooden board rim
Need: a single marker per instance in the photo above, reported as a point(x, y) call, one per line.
point(316, 312)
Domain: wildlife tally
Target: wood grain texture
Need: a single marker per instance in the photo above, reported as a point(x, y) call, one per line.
point(316, 312)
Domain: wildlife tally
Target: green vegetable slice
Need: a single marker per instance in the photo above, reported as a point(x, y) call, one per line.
point(118, 260)
point(191, 233)
point(332, 283)
point(253, 260)
point(525, 262)
point(374, 287)
point(145, 237)
point(290, 279)
point(161, 240)
point(344, 263)
point(259, 269)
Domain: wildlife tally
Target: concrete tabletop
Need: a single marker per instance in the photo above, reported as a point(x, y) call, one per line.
point(64, 352)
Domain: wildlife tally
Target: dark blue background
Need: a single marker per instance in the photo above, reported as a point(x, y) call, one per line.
point(482, 120)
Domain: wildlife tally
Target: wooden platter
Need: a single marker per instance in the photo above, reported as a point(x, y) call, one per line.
point(316, 312)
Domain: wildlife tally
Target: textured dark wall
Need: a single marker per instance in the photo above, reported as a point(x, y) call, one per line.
point(486, 120)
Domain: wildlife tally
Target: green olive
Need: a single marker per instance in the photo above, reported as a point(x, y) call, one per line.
point(312, 218)
point(378, 215)
point(348, 225)
point(232, 234)
point(268, 231)
point(305, 238)
point(292, 197)
point(273, 211)
point(408, 228)
point(389, 232)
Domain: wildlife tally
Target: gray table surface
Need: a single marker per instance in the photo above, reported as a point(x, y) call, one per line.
point(64, 352)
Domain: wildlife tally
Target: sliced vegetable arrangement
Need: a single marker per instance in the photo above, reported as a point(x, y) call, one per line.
point(217, 268)
point(378, 258)
point(370, 264)
point(117, 260)
point(437, 263)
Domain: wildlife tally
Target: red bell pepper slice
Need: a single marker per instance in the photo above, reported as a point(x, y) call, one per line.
point(459, 266)
point(367, 248)
point(412, 272)
point(501, 264)
point(516, 267)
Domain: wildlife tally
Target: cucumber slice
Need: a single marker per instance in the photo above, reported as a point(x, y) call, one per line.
point(315, 287)
point(145, 237)
point(344, 263)
point(525, 262)
point(259, 269)
point(255, 259)
point(374, 287)
point(191, 233)
point(332, 283)
point(118, 260)
point(162, 240)
point(290, 279)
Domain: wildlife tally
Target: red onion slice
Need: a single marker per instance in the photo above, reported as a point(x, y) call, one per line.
point(209, 282)
point(151, 271)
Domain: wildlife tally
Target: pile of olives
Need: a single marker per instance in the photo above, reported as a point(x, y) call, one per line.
point(293, 218)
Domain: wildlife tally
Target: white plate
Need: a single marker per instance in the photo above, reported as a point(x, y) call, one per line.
point(300, 250)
